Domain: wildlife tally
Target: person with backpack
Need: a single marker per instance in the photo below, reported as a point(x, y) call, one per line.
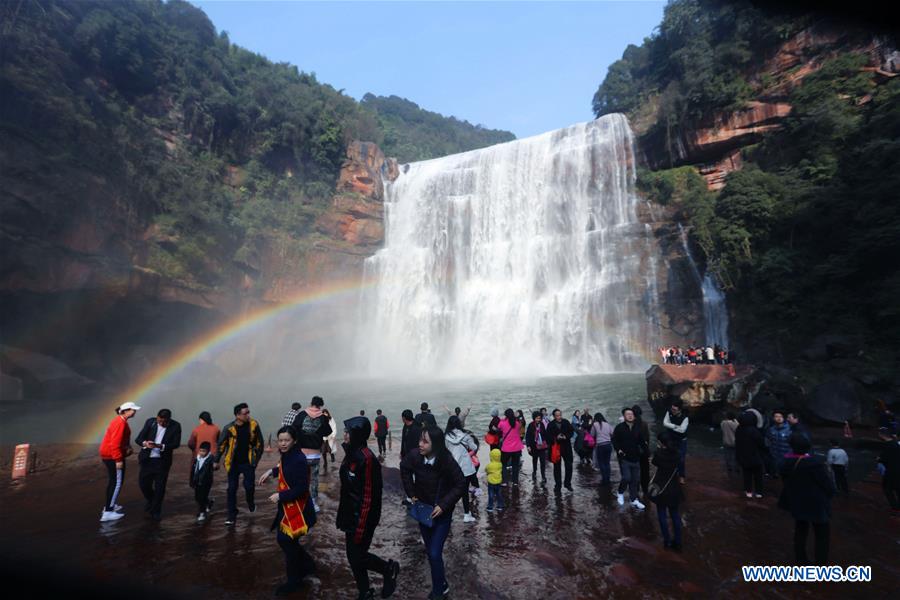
point(382, 427)
point(312, 427)
point(359, 509)
point(463, 446)
point(677, 421)
point(807, 494)
point(665, 490)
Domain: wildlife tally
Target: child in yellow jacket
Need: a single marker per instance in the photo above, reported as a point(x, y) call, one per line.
point(494, 471)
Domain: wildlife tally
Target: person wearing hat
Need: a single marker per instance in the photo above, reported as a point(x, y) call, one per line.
point(359, 510)
point(116, 445)
point(160, 436)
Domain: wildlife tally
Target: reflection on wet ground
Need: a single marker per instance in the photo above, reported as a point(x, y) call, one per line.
point(577, 545)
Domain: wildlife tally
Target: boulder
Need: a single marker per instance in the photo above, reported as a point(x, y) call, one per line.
point(836, 400)
point(702, 388)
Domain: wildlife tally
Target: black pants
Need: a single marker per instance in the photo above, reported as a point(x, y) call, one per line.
point(201, 495)
point(297, 560)
point(753, 479)
point(249, 474)
point(801, 531)
point(892, 493)
point(362, 561)
point(539, 456)
point(152, 480)
point(566, 454)
point(382, 443)
point(840, 478)
point(645, 473)
point(115, 478)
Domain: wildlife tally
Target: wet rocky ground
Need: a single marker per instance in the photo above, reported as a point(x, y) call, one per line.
point(578, 545)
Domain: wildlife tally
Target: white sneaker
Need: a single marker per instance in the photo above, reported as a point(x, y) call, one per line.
point(117, 508)
point(477, 492)
point(620, 498)
point(110, 515)
point(468, 518)
point(201, 517)
point(316, 506)
point(637, 504)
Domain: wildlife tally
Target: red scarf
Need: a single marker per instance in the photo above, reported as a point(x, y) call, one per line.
point(293, 524)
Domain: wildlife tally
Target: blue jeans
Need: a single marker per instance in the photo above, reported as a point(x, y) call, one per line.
point(602, 454)
point(434, 538)
point(682, 453)
point(664, 526)
point(249, 474)
point(631, 477)
point(494, 494)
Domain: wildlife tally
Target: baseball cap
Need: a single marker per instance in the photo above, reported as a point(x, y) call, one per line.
point(129, 406)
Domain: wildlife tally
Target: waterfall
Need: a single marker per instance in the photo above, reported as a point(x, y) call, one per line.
point(715, 313)
point(524, 258)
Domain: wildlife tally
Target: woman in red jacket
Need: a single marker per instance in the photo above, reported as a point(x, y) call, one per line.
point(116, 445)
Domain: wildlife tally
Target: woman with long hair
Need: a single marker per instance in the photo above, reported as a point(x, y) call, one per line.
point(462, 445)
point(537, 443)
point(295, 513)
point(602, 432)
point(510, 447)
point(432, 476)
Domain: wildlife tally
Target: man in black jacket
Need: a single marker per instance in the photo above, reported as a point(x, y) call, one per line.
point(158, 438)
point(425, 419)
point(202, 479)
point(409, 436)
point(360, 509)
point(560, 432)
point(628, 442)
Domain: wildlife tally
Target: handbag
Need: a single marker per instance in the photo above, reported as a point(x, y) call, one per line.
point(555, 454)
point(491, 439)
point(654, 491)
point(421, 512)
point(473, 454)
point(589, 440)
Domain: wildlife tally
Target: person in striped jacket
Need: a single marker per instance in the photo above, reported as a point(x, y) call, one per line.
point(360, 509)
point(116, 445)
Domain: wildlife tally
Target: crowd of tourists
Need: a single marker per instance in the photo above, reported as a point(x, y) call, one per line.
point(440, 468)
point(710, 354)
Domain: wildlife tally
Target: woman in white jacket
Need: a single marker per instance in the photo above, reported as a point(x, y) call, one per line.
point(460, 443)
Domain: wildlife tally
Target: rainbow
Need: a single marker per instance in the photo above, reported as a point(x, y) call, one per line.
point(140, 392)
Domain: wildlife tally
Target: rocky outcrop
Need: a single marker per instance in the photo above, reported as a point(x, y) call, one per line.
point(704, 389)
point(38, 376)
point(714, 145)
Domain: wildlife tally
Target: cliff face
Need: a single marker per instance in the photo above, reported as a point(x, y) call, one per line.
point(75, 285)
point(714, 145)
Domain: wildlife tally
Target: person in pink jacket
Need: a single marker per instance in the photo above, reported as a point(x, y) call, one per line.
point(510, 447)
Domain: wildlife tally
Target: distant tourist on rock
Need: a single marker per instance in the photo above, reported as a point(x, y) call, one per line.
point(359, 510)
point(559, 434)
point(750, 451)
point(312, 427)
point(425, 419)
point(291, 414)
point(294, 516)
point(602, 432)
point(537, 444)
point(205, 431)
point(807, 496)
point(628, 442)
point(838, 460)
point(382, 428)
point(159, 437)
point(431, 476)
point(114, 449)
point(710, 356)
point(202, 479)
point(462, 445)
point(240, 447)
point(777, 436)
point(677, 421)
point(729, 425)
point(889, 461)
point(793, 420)
point(665, 491)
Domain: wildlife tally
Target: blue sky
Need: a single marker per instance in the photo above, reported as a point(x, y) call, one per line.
point(527, 67)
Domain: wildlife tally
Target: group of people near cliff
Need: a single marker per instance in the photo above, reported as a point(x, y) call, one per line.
point(439, 468)
point(710, 354)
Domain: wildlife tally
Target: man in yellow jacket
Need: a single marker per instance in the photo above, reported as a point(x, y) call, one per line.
point(241, 446)
point(494, 472)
